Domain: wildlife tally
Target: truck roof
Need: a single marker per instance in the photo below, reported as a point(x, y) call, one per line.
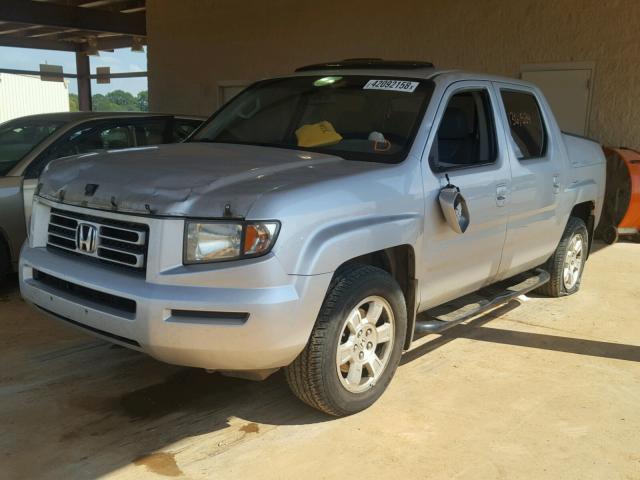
point(397, 68)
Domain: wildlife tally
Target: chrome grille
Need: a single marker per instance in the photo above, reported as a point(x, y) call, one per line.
point(112, 241)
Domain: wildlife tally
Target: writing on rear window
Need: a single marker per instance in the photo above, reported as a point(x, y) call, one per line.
point(392, 85)
point(519, 119)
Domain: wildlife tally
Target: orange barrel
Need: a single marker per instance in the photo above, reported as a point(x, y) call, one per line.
point(621, 209)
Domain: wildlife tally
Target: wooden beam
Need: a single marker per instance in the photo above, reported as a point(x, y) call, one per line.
point(55, 15)
point(59, 34)
point(37, 73)
point(19, 28)
point(39, 43)
point(84, 82)
point(115, 6)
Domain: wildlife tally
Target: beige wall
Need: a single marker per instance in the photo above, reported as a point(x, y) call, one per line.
point(194, 44)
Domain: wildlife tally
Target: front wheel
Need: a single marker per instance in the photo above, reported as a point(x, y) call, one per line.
point(567, 263)
point(355, 345)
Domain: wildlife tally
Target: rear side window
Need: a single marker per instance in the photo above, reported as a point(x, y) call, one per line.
point(525, 123)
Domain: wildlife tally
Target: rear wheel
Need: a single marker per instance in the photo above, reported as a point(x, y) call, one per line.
point(5, 261)
point(567, 263)
point(610, 235)
point(356, 343)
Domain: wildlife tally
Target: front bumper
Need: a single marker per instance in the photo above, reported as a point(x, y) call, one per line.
point(190, 316)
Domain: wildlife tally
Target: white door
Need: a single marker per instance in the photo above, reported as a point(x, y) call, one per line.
point(568, 91)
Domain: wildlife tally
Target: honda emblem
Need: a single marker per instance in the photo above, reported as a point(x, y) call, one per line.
point(87, 237)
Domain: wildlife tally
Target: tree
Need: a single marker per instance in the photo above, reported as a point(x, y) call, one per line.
point(102, 104)
point(74, 103)
point(116, 101)
point(142, 99)
point(124, 100)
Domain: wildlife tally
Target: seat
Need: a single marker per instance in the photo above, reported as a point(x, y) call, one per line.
point(455, 145)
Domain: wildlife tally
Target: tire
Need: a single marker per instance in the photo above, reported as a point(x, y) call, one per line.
point(318, 377)
point(5, 261)
point(560, 285)
point(610, 235)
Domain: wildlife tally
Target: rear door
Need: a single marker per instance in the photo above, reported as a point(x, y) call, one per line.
point(467, 145)
point(537, 179)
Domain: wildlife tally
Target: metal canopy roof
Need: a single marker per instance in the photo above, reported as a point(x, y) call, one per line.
point(72, 25)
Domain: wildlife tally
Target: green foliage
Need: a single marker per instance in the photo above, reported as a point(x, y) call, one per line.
point(116, 101)
point(142, 100)
point(74, 103)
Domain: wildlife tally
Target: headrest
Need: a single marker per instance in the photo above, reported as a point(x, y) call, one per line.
point(454, 124)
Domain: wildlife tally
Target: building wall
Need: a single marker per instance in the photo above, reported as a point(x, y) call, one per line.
point(195, 44)
point(22, 95)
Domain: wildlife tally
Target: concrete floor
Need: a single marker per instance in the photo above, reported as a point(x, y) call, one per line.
point(541, 388)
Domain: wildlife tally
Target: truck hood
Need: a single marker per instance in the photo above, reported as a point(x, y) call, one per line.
point(188, 179)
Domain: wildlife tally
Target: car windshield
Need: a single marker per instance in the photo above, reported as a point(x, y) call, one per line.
point(18, 137)
point(369, 118)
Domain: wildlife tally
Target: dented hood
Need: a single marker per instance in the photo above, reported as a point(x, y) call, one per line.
point(189, 179)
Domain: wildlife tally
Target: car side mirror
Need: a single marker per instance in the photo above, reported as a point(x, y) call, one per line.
point(454, 208)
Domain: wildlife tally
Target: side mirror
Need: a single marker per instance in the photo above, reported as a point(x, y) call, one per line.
point(454, 208)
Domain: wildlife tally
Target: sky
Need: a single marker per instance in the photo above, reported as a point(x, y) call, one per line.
point(120, 60)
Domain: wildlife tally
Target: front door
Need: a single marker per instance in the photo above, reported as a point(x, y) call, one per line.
point(469, 146)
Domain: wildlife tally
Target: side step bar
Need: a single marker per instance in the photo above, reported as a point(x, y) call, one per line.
point(451, 314)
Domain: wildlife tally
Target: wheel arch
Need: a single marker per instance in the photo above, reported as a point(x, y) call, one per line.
point(399, 262)
point(586, 212)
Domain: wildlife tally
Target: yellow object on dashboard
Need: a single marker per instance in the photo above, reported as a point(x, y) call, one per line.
point(317, 135)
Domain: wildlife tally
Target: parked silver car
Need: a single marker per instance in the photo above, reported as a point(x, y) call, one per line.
point(28, 144)
point(317, 222)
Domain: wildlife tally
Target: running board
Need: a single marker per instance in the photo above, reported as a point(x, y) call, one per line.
point(451, 314)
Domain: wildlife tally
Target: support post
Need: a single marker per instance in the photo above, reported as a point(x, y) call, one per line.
point(84, 81)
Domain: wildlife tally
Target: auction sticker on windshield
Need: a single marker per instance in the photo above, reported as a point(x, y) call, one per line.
point(393, 85)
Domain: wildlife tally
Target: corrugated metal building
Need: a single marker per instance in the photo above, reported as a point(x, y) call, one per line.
point(22, 95)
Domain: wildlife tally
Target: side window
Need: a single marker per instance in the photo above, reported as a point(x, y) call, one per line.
point(63, 147)
point(466, 134)
point(182, 128)
point(525, 123)
point(117, 137)
point(84, 139)
point(152, 132)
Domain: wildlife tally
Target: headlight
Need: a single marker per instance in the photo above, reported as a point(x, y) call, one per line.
point(219, 241)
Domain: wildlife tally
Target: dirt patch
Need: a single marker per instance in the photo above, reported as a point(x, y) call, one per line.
point(250, 428)
point(161, 463)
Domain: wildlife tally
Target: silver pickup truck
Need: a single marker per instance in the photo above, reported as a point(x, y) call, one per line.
point(319, 222)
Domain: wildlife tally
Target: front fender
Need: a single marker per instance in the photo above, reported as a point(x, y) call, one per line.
point(331, 246)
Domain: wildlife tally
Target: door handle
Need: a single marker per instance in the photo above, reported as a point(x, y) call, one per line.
point(501, 195)
point(556, 183)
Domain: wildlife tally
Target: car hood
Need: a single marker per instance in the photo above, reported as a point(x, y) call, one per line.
point(189, 179)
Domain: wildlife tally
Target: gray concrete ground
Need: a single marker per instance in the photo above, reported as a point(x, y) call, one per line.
point(540, 388)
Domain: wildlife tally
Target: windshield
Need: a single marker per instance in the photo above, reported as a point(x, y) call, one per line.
point(368, 118)
point(18, 137)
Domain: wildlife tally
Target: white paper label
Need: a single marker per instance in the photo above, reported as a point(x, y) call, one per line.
point(392, 85)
